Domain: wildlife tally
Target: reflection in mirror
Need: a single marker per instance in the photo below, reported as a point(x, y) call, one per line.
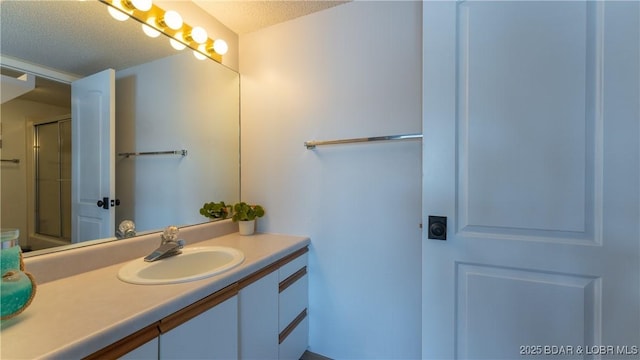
point(156, 190)
point(51, 177)
point(168, 102)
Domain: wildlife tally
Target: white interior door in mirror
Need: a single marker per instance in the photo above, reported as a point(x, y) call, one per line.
point(93, 156)
point(531, 150)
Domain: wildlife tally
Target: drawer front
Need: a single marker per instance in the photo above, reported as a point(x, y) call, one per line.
point(296, 343)
point(292, 301)
point(291, 267)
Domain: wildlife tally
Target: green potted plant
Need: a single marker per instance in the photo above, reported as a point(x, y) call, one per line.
point(245, 215)
point(215, 210)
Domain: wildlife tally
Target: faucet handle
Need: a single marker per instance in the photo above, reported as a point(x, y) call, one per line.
point(170, 233)
point(126, 229)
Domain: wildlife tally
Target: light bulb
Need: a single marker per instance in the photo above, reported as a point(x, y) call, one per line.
point(149, 31)
point(177, 44)
point(199, 35)
point(172, 20)
point(198, 55)
point(142, 5)
point(117, 14)
point(220, 46)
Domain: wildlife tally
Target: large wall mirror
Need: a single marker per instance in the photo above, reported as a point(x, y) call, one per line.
point(165, 101)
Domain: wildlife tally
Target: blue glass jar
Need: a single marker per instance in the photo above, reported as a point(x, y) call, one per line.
point(18, 287)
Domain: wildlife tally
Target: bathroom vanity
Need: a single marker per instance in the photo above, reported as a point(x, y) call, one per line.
point(257, 309)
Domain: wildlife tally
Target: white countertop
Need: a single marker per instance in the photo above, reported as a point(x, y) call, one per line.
point(75, 316)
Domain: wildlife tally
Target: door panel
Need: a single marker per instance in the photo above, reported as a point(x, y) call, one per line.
point(531, 150)
point(525, 130)
point(93, 155)
point(522, 307)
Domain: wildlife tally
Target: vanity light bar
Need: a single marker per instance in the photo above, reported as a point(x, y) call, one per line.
point(150, 18)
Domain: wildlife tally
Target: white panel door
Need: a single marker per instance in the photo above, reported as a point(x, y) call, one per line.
point(93, 156)
point(531, 127)
point(258, 319)
point(210, 335)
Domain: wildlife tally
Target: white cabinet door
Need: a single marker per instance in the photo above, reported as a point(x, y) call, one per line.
point(147, 351)
point(211, 335)
point(531, 149)
point(259, 318)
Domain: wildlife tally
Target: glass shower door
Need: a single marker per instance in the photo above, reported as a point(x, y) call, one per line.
point(53, 179)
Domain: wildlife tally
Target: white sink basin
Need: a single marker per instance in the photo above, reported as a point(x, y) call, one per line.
point(193, 264)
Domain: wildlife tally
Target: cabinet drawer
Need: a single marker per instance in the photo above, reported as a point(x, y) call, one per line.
point(295, 344)
point(292, 301)
point(291, 267)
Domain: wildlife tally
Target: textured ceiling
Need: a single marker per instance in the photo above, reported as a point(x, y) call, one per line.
point(71, 37)
point(244, 16)
point(79, 37)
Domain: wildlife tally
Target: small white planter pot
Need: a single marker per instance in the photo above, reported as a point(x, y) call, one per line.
point(247, 227)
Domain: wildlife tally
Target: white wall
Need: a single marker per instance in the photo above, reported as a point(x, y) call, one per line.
point(350, 71)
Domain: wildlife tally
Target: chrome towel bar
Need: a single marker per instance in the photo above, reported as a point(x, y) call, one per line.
point(172, 152)
point(312, 144)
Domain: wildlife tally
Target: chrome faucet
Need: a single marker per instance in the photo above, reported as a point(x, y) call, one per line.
point(170, 245)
